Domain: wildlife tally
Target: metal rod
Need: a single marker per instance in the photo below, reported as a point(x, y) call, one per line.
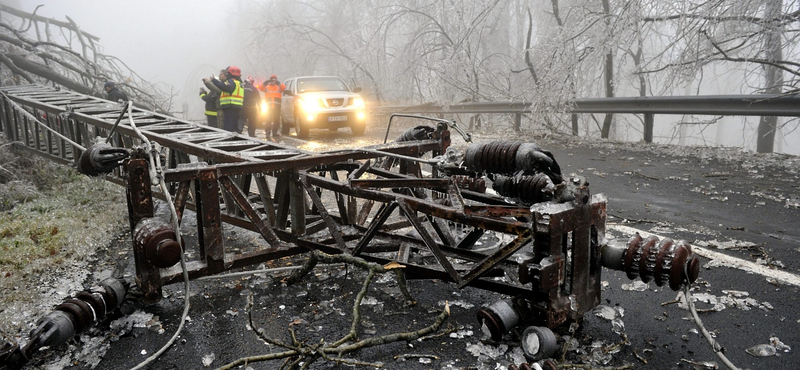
point(389, 127)
point(121, 114)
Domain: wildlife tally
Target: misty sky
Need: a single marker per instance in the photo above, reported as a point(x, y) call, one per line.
point(176, 42)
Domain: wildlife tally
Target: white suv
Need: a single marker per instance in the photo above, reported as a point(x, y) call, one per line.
point(322, 102)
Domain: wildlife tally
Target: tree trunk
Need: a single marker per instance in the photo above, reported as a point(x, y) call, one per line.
point(608, 75)
point(773, 76)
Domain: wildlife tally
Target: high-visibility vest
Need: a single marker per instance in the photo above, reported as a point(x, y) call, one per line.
point(272, 92)
point(209, 105)
point(236, 99)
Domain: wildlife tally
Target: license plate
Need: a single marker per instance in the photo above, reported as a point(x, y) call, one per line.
point(337, 118)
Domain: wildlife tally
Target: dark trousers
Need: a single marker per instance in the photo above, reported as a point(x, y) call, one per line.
point(212, 121)
point(274, 118)
point(250, 118)
point(230, 118)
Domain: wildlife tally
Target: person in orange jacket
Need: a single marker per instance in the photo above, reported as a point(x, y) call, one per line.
point(273, 89)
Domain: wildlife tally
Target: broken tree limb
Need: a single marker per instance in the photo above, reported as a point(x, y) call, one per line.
point(39, 18)
point(54, 59)
point(396, 337)
point(46, 72)
point(300, 354)
point(13, 67)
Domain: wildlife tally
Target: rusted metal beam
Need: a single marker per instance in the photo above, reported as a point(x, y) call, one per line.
point(247, 208)
point(435, 184)
point(383, 214)
point(492, 260)
point(429, 242)
point(333, 228)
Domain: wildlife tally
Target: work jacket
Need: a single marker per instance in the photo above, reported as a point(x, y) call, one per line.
point(116, 95)
point(232, 96)
point(211, 99)
point(273, 92)
point(252, 98)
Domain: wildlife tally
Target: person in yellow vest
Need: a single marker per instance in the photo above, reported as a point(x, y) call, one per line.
point(272, 96)
point(231, 97)
point(212, 100)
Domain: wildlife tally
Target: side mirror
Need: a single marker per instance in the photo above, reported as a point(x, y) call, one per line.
point(287, 92)
point(357, 89)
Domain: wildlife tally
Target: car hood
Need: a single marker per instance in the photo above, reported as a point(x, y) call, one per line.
point(328, 95)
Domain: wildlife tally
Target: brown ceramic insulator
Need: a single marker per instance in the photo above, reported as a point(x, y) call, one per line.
point(491, 156)
point(652, 257)
point(510, 158)
point(158, 241)
point(529, 189)
point(110, 298)
point(685, 267)
point(649, 251)
point(97, 302)
point(632, 256)
point(495, 156)
point(669, 262)
point(525, 366)
point(664, 260)
point(549, 364)
point(693, 269)
point(81, 313)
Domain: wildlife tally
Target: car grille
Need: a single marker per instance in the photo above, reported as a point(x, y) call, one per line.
point(337, 102)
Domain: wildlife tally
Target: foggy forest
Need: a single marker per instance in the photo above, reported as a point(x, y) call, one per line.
point(443, 52)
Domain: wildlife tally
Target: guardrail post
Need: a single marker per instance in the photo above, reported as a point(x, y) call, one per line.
point(517, 122)
point(574, 124)
point(648, 127)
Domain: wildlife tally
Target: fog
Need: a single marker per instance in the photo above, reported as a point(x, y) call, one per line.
point(174, 42)
point(436, 51)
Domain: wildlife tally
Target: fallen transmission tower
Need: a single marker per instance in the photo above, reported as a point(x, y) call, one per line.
point(363, 201)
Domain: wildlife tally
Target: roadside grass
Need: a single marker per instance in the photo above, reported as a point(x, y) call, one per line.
point(50, 216)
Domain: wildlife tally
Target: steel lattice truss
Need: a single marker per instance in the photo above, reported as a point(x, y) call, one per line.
point(385, 203)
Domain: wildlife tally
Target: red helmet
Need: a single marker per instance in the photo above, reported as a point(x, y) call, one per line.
point(234, 71)
point(273, 77)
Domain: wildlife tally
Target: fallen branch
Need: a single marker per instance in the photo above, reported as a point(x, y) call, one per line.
point(301, 354)
point(82, 69)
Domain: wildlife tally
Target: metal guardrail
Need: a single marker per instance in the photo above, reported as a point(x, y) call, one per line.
point(718, 105)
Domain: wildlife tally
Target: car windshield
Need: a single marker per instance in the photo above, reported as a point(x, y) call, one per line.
point(321, 84)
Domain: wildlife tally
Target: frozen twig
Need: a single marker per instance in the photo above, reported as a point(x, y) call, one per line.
point(298, 275)
point(590, 367)
point(415, 355)
point(301, 355)
point(401, 282)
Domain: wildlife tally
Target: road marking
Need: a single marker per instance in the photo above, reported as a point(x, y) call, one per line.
point(726, 260)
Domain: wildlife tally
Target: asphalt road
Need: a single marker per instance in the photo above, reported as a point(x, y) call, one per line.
point(739, 204)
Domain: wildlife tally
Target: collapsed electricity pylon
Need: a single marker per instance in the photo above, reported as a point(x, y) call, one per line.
point(415, 201)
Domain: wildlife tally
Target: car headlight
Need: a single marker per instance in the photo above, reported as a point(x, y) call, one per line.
point(311, 105)
point(264, 107)
point(358, 103)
